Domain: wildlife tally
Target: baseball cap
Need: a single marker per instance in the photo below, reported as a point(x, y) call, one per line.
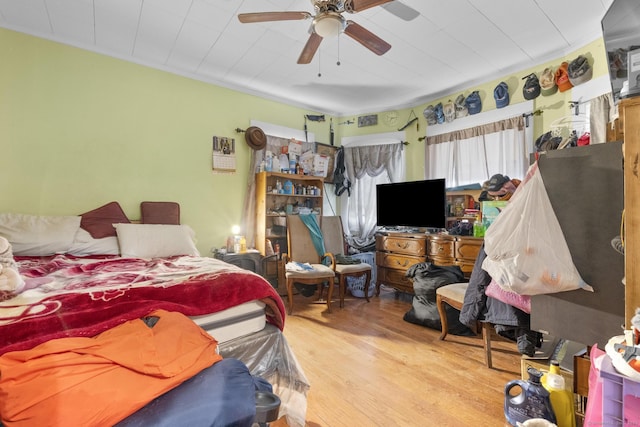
point(473, 102)
point(562, 77)
point(461, 107)
point(449, 111)
point(531, 88)
point(579, 70)
point(497, 181)
point(501, 95)
point(548, 82)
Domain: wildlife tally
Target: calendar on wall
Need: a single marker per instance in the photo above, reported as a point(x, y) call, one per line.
point(224, 154)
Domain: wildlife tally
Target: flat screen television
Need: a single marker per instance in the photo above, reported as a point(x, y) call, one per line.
point(412, 204)
point(621, 35)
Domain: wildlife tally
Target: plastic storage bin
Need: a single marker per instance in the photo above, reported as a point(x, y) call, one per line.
point(355, 285)
point(620, 398)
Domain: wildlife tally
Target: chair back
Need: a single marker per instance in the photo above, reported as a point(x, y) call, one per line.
point(301, 248)
point(333, 234)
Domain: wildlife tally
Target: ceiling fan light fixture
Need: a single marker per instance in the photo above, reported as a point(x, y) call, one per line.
point(328, 25)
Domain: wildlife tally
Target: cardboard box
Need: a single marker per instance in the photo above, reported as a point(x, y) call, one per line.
point(490, 211)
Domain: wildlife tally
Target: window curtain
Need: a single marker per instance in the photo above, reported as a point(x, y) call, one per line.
point(473, 155)
point(367, 166)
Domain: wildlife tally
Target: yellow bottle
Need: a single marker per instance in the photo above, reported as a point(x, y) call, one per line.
point(561, 397)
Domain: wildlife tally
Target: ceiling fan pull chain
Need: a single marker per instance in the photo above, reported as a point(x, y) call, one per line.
point(338, 63)
point(319, 61)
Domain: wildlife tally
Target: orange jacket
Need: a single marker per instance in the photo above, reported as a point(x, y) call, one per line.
point(101, 380)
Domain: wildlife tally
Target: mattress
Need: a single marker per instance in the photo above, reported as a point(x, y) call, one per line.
point(234, 322)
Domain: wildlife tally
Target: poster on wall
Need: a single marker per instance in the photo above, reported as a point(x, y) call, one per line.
point(325, 158)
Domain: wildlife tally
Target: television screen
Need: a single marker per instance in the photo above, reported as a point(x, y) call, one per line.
point(415, 204)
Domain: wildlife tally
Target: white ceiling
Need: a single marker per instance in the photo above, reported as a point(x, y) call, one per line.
point(450, 46)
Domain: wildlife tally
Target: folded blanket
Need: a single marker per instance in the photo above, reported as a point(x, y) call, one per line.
point(6, 254)
point(11, 283)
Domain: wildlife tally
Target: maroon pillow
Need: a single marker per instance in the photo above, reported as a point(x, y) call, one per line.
point(160, 213)
point(99, 222)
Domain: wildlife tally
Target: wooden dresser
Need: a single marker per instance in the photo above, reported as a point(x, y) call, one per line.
point(396, 252)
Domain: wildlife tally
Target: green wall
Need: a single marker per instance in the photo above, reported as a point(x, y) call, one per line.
point(79, 129)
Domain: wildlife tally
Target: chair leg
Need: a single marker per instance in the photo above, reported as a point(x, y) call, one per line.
point(329, 295)
point(366, 287)
point(486, 340)
point(443, 317)
point(290, 294)
point(342, 289)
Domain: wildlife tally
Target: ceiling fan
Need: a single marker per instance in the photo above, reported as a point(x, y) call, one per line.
point(329, 22)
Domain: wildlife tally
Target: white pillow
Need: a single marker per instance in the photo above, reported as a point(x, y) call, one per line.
point(84, 245)
point(155, 240)
point(39, 235)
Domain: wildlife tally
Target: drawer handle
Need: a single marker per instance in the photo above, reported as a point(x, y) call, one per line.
point(404, 264)
point(440, 249)
point(404, 246)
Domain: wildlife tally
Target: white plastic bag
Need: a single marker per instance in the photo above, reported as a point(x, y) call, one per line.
point(526, 250)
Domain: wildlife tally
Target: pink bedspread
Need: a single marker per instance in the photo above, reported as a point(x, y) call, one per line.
point(70, 296)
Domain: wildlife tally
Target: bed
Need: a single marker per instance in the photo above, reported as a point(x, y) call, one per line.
point(77, 283)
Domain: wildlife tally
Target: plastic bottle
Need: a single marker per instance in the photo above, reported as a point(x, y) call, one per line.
point(532, 401)
point(478, 227)
point(561, 397)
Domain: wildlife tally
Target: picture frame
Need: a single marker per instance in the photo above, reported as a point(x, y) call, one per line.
point(330, 151)
point(370, 120)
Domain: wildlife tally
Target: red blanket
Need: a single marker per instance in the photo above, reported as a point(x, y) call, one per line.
point(70, 296)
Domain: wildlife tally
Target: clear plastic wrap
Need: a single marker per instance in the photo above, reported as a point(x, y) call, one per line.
point(267, 354)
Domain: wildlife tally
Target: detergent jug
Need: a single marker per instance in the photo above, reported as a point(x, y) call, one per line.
point(561, 397)
point(524, 400)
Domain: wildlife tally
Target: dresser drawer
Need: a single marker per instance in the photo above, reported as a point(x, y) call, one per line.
point(402, 245)
point(441, 247)
point(397, 277)
point(467, 248)
point(397, 261)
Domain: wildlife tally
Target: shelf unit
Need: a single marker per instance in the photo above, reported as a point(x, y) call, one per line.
point(457, 202)
point(272, 205)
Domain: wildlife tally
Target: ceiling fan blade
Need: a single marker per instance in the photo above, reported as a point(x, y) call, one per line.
point(360, 5)
point(366, 38)
point(401, 10)
point(310, 49)
point(247, 18)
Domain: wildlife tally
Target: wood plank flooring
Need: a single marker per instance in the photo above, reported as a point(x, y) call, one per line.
point(368, 367)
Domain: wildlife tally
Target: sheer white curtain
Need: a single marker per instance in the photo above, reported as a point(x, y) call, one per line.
point(472, 155)
point(367, 164)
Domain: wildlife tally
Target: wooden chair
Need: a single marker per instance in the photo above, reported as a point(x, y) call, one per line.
point(302, 250)
point(453, 295)
point(333, 234)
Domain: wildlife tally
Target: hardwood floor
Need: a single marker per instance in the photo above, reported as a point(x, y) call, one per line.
point(368, 367)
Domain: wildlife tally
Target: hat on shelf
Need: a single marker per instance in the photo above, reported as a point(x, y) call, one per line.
point(430, 115)
point(548, 84)
point(562, 77)
point(439, 113)
point(473, 102)
point(497, 181)
point(579, 70)
point(461, 107)
point(501, 95)
point(531, 88)
point(449, 111)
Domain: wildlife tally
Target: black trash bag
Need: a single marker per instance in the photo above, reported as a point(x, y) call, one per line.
point(427, 278)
